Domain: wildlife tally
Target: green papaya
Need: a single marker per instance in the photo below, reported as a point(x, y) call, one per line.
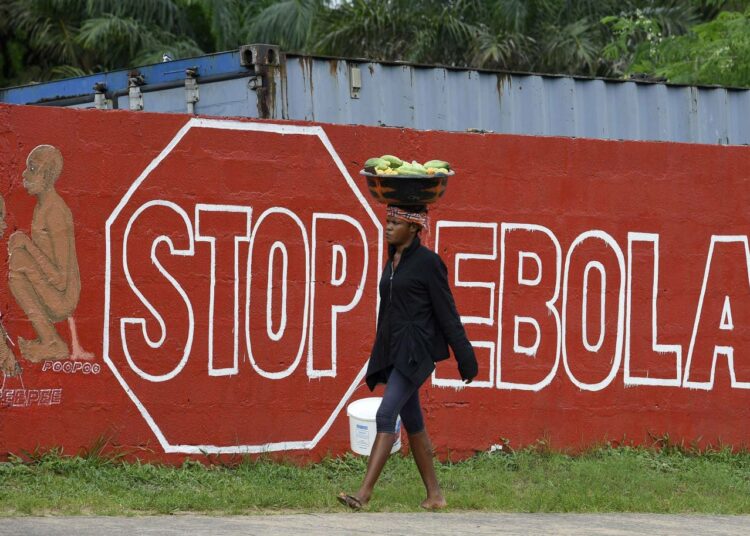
point(438, 164)
point(409, 169)
point(377, 163)
point(416, 165)
point(394, 161)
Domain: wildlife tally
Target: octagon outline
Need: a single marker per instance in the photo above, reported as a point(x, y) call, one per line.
point(222, 124)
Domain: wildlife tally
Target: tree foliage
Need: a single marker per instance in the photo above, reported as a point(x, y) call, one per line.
point(690, 41)
point(57, 38)
point(716, 52)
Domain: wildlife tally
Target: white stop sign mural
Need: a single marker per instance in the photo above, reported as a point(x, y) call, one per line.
point(241, 268)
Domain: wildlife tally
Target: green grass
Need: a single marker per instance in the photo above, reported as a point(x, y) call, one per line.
point(623, 479)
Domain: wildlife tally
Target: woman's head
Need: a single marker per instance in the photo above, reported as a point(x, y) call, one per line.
point(403, 223)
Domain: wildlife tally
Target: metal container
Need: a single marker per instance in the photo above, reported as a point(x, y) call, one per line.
point(407, 189)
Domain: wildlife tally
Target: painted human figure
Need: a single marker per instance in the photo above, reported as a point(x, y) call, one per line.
point(43, 268)
point(8, 364)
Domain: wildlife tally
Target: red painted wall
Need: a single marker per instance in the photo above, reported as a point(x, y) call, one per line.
point(175, 223)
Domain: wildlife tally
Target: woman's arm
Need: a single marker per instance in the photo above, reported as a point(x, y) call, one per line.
point(449, 321)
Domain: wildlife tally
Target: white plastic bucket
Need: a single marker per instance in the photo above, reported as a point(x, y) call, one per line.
point(362, 428)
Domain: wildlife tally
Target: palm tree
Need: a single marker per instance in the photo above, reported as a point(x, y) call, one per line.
point(232, 22)
point(559, 36)
point(565, 36)
point(53, 38)
point(291, 24)
point(422, 31)
point(10, 48)
point(74, 37)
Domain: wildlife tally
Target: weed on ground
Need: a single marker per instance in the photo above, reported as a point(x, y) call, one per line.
point(605, 479)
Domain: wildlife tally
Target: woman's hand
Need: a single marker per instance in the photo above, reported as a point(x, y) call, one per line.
point(468, 369)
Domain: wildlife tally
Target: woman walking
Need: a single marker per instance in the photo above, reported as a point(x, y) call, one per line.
point(417, 321)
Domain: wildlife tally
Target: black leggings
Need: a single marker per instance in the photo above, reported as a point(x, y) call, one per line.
point(401, 397)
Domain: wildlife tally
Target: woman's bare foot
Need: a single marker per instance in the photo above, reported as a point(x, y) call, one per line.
point(434, 503)
point(352, 501)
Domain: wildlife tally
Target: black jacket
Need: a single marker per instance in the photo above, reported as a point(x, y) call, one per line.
point(417, 320)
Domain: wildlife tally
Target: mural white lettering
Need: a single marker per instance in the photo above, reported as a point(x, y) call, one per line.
point(657, 352)
point(711, 337)
point(540, 280)
point(276, 266)
point(71, 367)
point(24, 398)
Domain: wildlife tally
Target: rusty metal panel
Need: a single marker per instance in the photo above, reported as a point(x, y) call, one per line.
point(305, 88)
point(435, 98)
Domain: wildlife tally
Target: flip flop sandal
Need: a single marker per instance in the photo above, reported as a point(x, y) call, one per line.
point(349, 500)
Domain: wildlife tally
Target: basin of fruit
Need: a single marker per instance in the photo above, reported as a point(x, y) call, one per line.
point(396, 182)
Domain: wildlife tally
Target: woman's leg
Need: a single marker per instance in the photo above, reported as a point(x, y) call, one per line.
point(397, 391)
point(421, 449)
point(381, 450)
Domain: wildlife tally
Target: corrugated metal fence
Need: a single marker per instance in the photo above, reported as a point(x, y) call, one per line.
point(257, 81)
